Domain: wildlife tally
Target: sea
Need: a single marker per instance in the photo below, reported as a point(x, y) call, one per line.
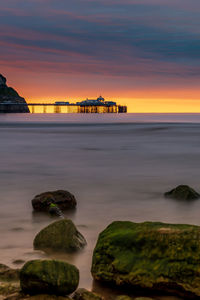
point(118, 166)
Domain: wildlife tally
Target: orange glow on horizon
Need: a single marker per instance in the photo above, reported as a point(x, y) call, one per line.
point(142, 105)
point(151, 99)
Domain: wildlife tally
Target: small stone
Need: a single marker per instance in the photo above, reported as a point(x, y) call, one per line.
point(83, 294)
point(123, 297)
point(7, 273)
point(18, 261)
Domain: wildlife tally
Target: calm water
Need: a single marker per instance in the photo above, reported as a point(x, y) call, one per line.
point(117, 166)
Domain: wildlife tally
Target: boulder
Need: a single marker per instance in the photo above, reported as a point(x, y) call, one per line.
point(182, 192)
point(60, 236)
point(151, 255)
point(63, 199)
point(83, 294)
point(8, 274)
point(48, 277)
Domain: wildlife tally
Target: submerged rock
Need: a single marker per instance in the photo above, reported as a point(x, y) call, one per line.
point(151, 255)
point(83, 294)
point(63, 199)
point(10, 101)
point(8, 274)
point(60, 236)
point(183, 192)
point(48, 277)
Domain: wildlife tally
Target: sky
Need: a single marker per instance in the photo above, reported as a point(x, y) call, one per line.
point(142, 53)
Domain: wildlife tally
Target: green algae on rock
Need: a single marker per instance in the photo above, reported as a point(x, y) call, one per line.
point(83, 294)
point(63, 199)
point(151, 255)
point(8, 274)
point(48, 277)
point(182, 192)
point(60, 236)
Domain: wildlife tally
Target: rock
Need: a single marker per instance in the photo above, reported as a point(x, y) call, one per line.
point(48, 277)
point(126, 297)
point(7, 288)
point(18, 261)
point(10, 101)
point(60, 236)
point(83, 294)
point(182, 192)
point(143, 298)
point(19, 296)
point(151, 255)
point(8, 274)
point(48, 297)
point(123, 297)
point(14, 296)
point(63, 199)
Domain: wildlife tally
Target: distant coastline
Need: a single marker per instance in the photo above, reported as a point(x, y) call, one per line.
point(11, 102)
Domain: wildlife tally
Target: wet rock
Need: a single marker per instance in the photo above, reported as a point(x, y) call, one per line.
point(14, 296)
point(123, 297)
point(18, 261)
point(182, 192)
point(151, 255)
point(63, 199)
point(48, 297)
point(48, 277)
point(20, 296)
point(60, 236)
point(83, 294)
point(7, 273)
point(143, 298)
point(7, 288)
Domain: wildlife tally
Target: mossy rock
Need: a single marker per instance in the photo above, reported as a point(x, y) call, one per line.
point(182, 192)
point(8, 274)
point(123, 297)
point(60, 236)
point(83, 294)
point(48, 277)
point(151, 255)
point(63, 199)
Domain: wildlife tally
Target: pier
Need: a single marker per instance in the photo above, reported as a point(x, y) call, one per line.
point(73, 108)
point(98, 105)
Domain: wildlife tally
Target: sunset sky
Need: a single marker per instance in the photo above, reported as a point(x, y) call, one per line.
point(143, 53)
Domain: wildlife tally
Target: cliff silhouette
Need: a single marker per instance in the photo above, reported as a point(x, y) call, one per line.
point(10, 101)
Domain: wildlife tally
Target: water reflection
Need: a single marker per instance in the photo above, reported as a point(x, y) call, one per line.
point(64, 109)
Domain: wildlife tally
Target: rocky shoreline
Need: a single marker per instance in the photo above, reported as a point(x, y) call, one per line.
point(150, 256)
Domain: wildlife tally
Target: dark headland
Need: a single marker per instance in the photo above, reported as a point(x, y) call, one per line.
point(10, 101)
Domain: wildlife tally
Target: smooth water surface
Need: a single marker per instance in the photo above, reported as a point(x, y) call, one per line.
point(117, 166)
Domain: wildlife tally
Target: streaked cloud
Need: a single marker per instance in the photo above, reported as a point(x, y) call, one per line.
point(128, 39)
